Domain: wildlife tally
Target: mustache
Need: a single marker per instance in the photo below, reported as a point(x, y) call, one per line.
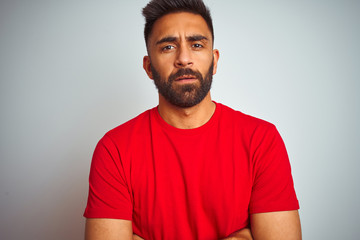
point(185, 71)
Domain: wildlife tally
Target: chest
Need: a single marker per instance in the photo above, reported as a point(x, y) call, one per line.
point(197, 185)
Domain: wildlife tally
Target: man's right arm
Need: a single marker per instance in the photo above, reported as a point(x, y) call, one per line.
point(108, 229)
point(109, 201)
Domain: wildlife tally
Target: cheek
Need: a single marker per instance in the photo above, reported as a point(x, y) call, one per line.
point(205, 64)
point(164, 72)
point(205, 58)
point(163, 68)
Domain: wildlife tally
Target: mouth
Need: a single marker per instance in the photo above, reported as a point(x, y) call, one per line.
point(186, 79)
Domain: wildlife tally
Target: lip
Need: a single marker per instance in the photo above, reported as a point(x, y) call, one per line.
point(186, 78)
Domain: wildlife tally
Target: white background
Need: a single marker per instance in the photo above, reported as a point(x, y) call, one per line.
point(71, 70)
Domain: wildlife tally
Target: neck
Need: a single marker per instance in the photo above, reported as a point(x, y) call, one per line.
point(187, 118)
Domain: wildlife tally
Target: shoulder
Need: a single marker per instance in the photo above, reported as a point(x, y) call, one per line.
point(133, 128)
point(252, 131)
point(244, 121)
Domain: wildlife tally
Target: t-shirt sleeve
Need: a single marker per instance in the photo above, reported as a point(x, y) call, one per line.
point(273, 187)
point(109, 191)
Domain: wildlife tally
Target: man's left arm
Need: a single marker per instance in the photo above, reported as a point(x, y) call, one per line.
point(276, 225)
point(273, 205)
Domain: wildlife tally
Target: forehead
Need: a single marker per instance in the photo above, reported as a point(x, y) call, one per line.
point(178, 25)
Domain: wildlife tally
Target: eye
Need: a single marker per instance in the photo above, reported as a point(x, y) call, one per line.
point(197, 45)
point(168, 48)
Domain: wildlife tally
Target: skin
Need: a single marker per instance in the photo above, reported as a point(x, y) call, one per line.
point(173, 44)
point(276, 225)
point(108, 229)
point(182, 50)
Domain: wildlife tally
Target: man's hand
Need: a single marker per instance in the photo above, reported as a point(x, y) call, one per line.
point(243, 234)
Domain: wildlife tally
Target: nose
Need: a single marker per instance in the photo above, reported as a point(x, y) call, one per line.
point(183, 58)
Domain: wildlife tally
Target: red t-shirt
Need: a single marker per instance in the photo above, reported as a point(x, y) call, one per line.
point(197, 183)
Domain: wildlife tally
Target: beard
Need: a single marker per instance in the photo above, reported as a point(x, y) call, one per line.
point(184, 95)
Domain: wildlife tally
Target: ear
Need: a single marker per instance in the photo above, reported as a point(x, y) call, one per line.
point(216, 55)
point(147, 66)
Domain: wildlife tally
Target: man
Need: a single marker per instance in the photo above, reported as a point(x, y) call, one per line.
point(189, 168)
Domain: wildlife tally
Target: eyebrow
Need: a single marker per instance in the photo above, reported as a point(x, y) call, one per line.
point(189, 38)
point(196, 38)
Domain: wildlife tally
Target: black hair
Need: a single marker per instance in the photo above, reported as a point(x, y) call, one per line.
point(155, 9)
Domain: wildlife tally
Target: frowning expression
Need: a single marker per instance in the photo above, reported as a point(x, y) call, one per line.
point(181, 58)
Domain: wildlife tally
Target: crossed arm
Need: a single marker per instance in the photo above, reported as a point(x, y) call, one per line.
point(264, 226)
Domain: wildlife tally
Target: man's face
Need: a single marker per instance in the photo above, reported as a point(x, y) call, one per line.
point(181, 59)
